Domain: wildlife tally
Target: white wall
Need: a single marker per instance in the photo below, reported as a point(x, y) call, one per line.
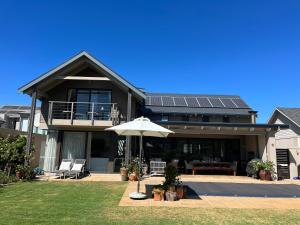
point(289, 139)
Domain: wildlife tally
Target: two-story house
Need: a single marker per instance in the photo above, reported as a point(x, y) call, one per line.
point(82, 97)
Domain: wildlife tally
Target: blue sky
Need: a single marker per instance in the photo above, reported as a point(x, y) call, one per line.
point(249, 48)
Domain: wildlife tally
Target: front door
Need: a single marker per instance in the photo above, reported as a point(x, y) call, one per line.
point(283, 163)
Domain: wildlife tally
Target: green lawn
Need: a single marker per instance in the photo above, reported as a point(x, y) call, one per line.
point(97, 203)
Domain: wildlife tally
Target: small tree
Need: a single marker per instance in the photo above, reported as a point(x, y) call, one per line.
point(12, 153)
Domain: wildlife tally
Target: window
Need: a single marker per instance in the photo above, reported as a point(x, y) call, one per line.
point(164, 118)
point(205, 118)
point(185, 118)
point(226, 119)
point(84, 97)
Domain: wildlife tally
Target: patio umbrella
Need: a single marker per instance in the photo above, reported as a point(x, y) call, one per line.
point(140, 127)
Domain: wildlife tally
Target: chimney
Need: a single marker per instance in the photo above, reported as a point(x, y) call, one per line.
point(253, 115)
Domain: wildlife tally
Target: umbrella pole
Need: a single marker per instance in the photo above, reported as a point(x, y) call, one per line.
point(140, 163)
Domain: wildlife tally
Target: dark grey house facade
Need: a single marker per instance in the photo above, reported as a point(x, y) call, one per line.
point(82, 97)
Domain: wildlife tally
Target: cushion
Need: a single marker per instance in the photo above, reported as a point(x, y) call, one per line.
point(65, 166)
point(77, 167)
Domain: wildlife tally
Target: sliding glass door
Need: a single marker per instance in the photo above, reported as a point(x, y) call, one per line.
point(91, 101)
point(74, 145)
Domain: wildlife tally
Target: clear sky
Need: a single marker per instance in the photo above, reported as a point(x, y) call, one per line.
point(248, 48)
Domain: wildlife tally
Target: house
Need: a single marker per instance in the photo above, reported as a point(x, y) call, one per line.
point(17, 116)
point(287, 141)
point(82, 97)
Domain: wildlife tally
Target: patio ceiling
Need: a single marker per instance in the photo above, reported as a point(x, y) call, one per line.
point(222, 128)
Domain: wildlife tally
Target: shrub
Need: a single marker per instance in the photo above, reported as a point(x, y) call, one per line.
point(252, 168)
point(266, 165)
point(133, 167)
point(12, 153)
point(171, 175)
point(5, 179)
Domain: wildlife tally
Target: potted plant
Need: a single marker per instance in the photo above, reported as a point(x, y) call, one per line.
point(181, 190)
point(171, 194)
point(252, 168)
point(171, 178)
point(133, 170)
point(20, 171)
point(28, 173)
point(124, 172)
point(266, 169)
point(158, 192)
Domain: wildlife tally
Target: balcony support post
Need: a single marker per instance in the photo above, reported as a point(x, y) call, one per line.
point(72, 113)
point(50, 113)
point(92, 114)
point(128, 138)
point(30, 125)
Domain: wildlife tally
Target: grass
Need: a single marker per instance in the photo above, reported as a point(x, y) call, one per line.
point(97, 203)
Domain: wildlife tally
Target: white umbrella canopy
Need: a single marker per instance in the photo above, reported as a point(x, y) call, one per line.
point(141, 126)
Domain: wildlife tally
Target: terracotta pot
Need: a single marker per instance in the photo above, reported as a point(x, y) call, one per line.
point(158, 195)
point(123, 173)
point(265, 175)
point(181, 192)
point(19, 175)
point(171, 196)
point(133, 177)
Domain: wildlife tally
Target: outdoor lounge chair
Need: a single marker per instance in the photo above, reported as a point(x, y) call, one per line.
point(65, 167)
point(78, 167)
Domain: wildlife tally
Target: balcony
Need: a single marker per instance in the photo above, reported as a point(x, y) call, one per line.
point(83, 114)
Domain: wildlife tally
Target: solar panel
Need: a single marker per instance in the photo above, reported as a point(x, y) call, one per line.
point(216, 102)
point(156, 100)
point(167, 101)
point(228, 103)
point(240, 103)
point(204, 102)
point(192, 102)
point(148, 100)
point(179, 101)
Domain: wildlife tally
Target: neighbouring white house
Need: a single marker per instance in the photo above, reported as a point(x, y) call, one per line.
point(287, 141)
point(17, 116)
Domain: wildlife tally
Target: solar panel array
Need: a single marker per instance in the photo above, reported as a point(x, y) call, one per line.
point(196, 102)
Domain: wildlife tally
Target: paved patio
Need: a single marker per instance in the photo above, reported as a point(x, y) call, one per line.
point(214, 201)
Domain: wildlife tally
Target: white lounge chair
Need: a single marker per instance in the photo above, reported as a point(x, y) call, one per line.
point(65, 167)
point(78, 167)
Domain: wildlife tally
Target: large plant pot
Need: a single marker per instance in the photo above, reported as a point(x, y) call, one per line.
point(171, 196)
point(265, 175)
point(181, 192)
point(19, 175)
point(158, 195)
point(133, 177)
point(123, 173)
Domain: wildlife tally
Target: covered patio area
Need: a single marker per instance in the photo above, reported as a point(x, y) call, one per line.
point(212, 149)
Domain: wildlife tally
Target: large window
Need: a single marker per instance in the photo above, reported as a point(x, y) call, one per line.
point(202, 149)
point(91, 101)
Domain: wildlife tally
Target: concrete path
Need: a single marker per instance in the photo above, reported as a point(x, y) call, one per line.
point(213, 201)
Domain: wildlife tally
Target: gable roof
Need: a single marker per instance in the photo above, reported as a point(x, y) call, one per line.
point(196, 104)
point(25, 88)
point(292, 114)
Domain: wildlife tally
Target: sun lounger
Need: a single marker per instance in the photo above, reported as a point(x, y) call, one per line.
point(78, 167)
point(65, 167)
